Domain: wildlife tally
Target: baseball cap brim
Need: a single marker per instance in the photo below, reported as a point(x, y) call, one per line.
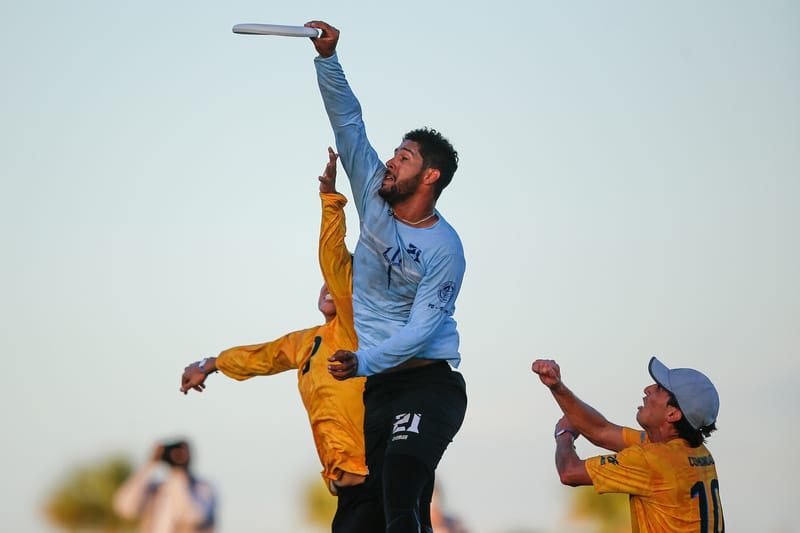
point(659, 372)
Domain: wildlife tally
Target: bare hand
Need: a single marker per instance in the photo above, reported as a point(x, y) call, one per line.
point(548, 370)
point(326, 44)
point(158, 452)
point(327, 182)
point(193, 378)
point(345, 365)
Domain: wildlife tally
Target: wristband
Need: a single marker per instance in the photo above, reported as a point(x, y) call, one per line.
point(202, 364)
point(562, 431)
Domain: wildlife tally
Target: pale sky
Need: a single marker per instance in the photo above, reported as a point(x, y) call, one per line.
point(628, 187)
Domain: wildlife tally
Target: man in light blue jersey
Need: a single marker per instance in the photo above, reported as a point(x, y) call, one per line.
point(407, 272)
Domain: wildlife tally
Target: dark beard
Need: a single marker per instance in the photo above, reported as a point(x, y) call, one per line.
point(393, 195)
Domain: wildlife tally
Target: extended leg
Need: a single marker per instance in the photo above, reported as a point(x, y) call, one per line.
point(407, 484)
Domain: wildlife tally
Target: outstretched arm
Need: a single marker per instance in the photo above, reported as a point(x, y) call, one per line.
point(359, 159)
point(586, 420)
point(245, 362)
point(335, 260)
point(337, 267)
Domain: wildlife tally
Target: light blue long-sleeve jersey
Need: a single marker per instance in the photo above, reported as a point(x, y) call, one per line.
point(405, 279)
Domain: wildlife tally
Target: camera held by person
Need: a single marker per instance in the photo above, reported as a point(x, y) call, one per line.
point(174, 501)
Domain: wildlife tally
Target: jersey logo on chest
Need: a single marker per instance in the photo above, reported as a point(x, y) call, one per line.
point(317, 343)
point(394, 258)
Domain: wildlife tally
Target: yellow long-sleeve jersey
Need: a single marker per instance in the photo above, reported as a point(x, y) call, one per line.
point(672, 486)
point(335, 408)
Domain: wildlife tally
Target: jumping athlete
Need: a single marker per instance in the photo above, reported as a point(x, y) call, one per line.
point(666, 469)
point(407, 273)
point(335, 408)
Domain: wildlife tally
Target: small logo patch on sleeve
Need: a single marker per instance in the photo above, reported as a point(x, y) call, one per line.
point(446, 291)
point(610, 459)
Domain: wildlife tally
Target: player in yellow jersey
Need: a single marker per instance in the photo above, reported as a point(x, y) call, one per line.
point(335, 408)
point(666, 469)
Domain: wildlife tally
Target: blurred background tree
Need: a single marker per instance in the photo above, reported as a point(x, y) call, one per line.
point(320, 503)
point(81, 500)
point(607, 513)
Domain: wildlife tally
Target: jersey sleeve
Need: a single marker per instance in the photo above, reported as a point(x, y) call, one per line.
point(244, 362)
point(631, 437)
point(433, 304)
point(337, 263)
point(358, 157)
point(625, 472)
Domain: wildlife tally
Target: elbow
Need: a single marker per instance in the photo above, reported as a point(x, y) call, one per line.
point(573, 474)
point(568, 479)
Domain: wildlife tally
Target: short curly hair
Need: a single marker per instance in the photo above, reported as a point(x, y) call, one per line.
point(436, 152)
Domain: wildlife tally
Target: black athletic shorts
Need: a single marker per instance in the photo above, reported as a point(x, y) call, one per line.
point(413, 412)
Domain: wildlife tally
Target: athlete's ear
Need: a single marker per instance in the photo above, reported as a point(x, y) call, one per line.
point(673, 414)
point(431, 176)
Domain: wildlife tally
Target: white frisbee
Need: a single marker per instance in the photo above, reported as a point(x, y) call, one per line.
point(275, 29)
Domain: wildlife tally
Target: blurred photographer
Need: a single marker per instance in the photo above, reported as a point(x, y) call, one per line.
point(165, 496)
